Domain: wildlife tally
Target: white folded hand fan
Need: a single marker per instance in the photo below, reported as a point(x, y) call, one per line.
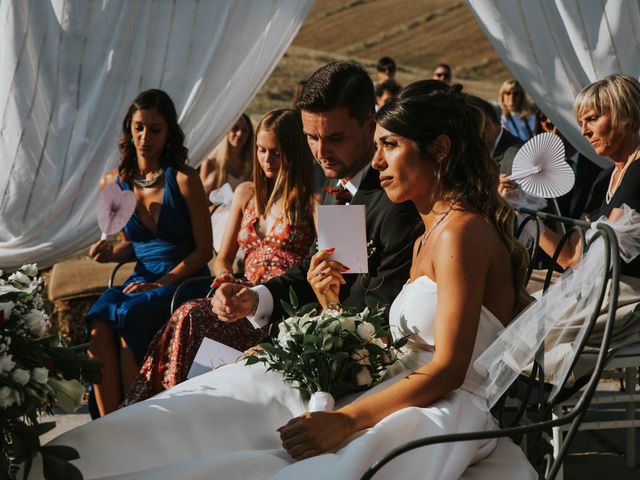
point(540, 168)
point(114, 209)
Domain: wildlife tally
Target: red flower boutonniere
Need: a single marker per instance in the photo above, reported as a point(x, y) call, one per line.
point(342, 194)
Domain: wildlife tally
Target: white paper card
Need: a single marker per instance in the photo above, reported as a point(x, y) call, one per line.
point(343, 227)
point(212, 355)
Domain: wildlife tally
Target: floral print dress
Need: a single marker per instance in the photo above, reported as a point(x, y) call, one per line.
point(173, 349)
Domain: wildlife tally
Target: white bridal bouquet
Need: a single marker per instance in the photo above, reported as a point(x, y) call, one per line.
point(329, 354)
point(36, 373)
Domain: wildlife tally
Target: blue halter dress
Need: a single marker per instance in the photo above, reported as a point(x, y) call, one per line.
point(138, 316)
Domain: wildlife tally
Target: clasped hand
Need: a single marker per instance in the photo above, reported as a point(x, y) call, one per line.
point(325, 277)
point(313, 433)
point(233, 301)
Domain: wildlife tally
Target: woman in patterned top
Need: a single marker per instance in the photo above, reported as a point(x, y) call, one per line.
point(271, 219)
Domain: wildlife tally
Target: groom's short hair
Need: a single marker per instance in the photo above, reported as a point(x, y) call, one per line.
point(339, 84)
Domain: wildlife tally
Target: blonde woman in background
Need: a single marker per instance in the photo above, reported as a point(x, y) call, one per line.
point(516, 116)
point(226, 167)
point(230, 161)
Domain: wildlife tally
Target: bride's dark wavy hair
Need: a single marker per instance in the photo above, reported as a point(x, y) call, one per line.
point(468, 177)
point(175, 154)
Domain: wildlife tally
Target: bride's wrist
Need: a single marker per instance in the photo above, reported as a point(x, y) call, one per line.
point(353, 419)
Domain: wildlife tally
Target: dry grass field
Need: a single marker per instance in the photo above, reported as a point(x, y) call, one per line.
point(418, 34)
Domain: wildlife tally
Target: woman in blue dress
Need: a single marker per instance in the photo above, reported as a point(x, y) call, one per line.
point(169, 235)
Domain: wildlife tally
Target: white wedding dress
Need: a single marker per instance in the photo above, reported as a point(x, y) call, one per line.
point(222, 425)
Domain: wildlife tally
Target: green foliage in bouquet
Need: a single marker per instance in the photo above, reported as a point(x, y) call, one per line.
point(339, 351)
point(36, 373)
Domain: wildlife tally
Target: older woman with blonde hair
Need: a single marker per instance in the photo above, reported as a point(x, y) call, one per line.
point(608, 112)
point(516, 116)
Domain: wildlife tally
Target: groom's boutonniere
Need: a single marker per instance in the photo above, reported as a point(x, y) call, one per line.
point(341, 194)
point(371, 249)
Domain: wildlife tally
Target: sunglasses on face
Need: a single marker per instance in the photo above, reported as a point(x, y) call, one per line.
point(512, 94)
point(441, 75)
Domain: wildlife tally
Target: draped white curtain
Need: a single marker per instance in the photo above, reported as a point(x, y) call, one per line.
point(69, 69)
point(555, 48)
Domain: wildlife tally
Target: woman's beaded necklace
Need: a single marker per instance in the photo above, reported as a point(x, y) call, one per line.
point(143, 182)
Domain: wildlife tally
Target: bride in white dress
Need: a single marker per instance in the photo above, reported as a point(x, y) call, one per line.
point(467, 283)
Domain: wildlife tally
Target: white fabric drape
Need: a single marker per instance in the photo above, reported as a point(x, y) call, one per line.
point(69, 69)
point(555, 48)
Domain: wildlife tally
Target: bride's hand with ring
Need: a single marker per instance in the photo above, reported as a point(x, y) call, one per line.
point(325, 277)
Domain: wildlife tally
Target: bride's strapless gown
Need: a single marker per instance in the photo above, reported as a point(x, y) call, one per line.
point(222, 425)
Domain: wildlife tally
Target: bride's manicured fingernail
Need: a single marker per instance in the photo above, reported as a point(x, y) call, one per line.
point(331, 250)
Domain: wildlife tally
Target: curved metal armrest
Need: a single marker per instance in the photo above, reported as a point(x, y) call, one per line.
point(115, 270)
point(464, 437)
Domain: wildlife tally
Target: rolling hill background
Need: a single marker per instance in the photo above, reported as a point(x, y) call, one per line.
point(417, 34)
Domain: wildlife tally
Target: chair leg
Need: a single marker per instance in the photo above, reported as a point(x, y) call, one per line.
point(630, 381)
point(557, 443)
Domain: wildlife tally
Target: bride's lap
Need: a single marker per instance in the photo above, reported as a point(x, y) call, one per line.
point(226, 420)
point(231, 409)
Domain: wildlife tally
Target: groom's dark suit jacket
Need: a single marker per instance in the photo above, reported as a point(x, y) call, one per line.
point(391, 231)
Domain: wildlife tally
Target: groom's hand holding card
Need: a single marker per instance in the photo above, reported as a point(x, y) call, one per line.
point(343, 228)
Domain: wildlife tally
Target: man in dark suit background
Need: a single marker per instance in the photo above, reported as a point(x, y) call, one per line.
point(337, 107)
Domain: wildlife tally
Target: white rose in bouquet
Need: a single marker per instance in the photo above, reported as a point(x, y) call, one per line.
point(36, 321)
point(366, 331)
point(284, 336)
point(349, 323)
point(20, 376)
point(7, 397)
point(40, 375)
point(30, 269)
point(363, 377)
point(6, 364)
point(21, 278)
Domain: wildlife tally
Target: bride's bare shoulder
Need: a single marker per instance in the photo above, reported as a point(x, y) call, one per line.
point(470, 232)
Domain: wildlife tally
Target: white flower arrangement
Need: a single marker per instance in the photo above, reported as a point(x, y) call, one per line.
point(337, 351)
point(35, 370)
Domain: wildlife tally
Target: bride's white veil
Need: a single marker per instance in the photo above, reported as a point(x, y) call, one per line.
point(559, 318)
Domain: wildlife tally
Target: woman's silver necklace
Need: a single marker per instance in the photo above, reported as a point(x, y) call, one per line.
point(613, 187)
point(428, 233)
point(143, 182)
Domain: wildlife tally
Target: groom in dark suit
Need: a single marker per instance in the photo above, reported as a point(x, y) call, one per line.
point(337, 107)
